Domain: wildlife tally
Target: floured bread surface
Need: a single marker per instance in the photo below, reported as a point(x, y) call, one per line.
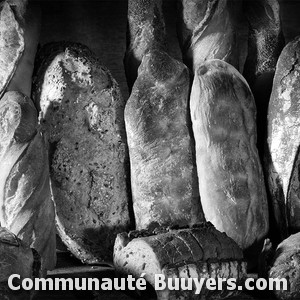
point(146, 31)
point(11, 45)
point(283, 140)
point(163, 171)
point(83, 121)
point(26, 208)
point(230, 176)
point(198, 252)
point(211, 29)
point(265, 37)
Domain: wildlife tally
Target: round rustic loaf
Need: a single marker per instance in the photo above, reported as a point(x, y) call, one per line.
point(163, 172)
point(283, 142)
point(16, 258)
point(146, 31)
point(83, 120)
point(230, 176)
point(197, 252)
point(27, 209)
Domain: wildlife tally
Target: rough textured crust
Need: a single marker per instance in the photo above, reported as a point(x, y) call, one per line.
point(146, 31)
point(202, 249)
point(15, 258)
point(163, 171)
point(11, 45)
point(26, 208)
point(230, 176)
point(283, 140)
point(265, 37)
point(210, 29)
point(22, 77)
point(84, 123)
point(287, 265)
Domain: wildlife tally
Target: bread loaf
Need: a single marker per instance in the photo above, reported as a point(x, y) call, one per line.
point(198, 252)
point(11, 45)
point(264, 46)
point(26, 206)
point(286, 266)
point(146, 31)
point(230, 176)
point(84, 123)
point(30, 23)
point(16, 258)
point(283, 141)
point(265, 38)
point(209, 29)
point(163, 171)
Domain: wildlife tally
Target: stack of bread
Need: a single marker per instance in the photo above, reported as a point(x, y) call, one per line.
point(178, 163)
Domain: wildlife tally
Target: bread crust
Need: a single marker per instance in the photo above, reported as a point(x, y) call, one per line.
point(211, 29)
point(282, 158)
point(11, 45)
point(145, 31)
point(231, 182)
point(163, 171)
point(198, 252)
point(83, 122)
point(26, 206)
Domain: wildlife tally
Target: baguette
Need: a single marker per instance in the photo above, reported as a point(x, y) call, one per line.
point(11, 45)
point(163, 171)
point(230, 176)
point(82, 119)
point(199, 252)
point(26, 206)
point(265, 38)
point(210, 29)
point(146, 31)
point(282, 157)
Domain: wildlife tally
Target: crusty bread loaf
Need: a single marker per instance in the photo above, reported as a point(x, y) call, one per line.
point(22, 77)
point(83, 120)
point(264, 46)
point(163, 171)
point(210, 29)
point(198, 252)
point(16, 258)
point(283, 141)
point(146, 31)
point(230, 176)
point(26, 206)
point(286, 265)
point(11, 45)
point(265, 38)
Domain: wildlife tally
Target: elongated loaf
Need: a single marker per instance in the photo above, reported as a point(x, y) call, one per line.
point(286, 266)
point(11, 45)
point(283, 141)
point(265, 38)
point(163, 171)
point(264, 46)
point(197, 252)
point(146, 31)
point(26, 206)
point(83, 120)
point(16, 258)
point(209, 29)
point(230, 176)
